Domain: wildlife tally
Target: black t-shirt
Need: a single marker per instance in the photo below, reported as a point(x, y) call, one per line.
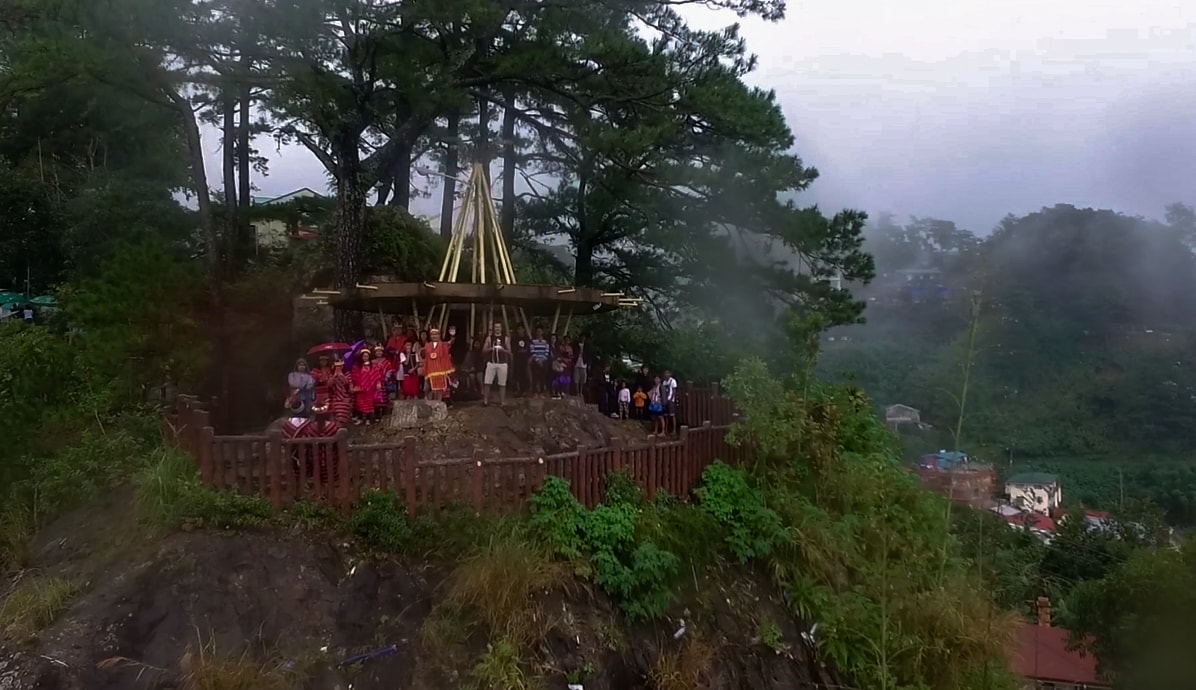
point(496, 355)
point(521, 344)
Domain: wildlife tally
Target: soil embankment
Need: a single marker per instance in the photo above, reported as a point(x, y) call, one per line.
point(216, 610)
point(520, 428)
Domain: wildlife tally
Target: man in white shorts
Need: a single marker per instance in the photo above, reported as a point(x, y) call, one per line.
point(497, 351)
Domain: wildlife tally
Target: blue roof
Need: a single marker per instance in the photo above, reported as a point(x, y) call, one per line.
point(944, 459)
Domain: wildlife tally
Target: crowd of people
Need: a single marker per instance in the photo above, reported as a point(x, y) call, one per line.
point(358, 386)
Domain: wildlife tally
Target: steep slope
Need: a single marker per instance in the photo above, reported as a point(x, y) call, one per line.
point(285, 606)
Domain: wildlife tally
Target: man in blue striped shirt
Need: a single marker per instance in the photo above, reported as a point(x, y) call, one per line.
point(541, 356)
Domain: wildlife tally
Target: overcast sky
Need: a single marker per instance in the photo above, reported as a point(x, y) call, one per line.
point(963, 109)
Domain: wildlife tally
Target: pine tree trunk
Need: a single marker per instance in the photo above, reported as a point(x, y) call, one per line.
point(228, 144)
point(451, 166)
point(199, 184)
point(402, 179)
point(244, 181)
point(484, 155)
point(350, 233)
point(508, 166)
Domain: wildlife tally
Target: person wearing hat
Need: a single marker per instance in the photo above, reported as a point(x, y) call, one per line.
point(438, 364)
point(340, 397)
point(366, 382)
point(322, 374)
point(303, 389)
point(386, 378)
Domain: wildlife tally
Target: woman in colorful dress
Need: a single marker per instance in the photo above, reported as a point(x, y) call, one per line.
point(438, 364)
point(365, 387)
point(340, 394)
point(303, 389)
point(410, 372)
point(385, 379)
point(323, 375)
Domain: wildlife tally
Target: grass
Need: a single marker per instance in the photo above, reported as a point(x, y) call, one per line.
point(497, 585)
point(684, 669)
point(164, 485)
point(502, 668)
point(204, 668)
point(33, 603)
point(16, 528)
point(770, 636)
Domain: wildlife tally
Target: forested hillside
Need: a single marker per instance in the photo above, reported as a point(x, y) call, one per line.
point(1084, 343)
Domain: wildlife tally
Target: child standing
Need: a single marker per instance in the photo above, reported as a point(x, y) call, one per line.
point(640, 402)
point(624, 400)
point(656, 408)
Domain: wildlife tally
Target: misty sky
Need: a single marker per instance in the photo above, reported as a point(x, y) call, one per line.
point(962, 109)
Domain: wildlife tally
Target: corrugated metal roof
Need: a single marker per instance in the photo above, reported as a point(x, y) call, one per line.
point(1033, 478)
point(1041, 654)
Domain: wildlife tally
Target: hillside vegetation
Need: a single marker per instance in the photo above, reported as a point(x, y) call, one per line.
point(1084, 347)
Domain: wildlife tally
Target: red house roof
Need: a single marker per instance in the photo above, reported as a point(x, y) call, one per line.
point(1032, 520)
point(1041, 654)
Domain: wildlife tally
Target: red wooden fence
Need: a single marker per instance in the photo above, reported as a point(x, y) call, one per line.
point(335, 472)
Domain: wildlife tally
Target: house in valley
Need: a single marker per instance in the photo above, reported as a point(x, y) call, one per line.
point(896, 415)
point(1041, 657)
point(275, 233)
point(1036, 492)
point(958, 477)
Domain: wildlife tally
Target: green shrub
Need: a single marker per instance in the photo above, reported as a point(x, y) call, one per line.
point(636, 572)
point(169, 493)
point(226, 509)
point(559, 518)
point(754, 528)
point(380, 521)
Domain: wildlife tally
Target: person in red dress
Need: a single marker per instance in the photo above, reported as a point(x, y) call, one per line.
point(410, 366)
point(438, 364)
point(385, 377)
point(322, 374)
point(322, 453)
point(397, 343)
point(340, 396)
point(364, 378)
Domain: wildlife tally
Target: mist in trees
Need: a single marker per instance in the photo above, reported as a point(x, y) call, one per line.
point(613, 128)
point(1084, 348)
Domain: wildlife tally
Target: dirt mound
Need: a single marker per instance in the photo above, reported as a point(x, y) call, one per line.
point(520, 428)
point(152, 611)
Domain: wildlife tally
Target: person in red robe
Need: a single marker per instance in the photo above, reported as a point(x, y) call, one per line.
point(396, 344)
point(385, 377)
point(411, 376)
point(323, 375)
point(322, 454)
point(340, 394)
point(364, 378)
point(438, 364)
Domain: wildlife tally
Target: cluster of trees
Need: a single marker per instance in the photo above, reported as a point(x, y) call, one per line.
point(1078, 326)
point(1124, 592)
point(621, 131)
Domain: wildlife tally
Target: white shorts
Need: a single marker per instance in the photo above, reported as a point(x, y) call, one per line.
point(495, 373)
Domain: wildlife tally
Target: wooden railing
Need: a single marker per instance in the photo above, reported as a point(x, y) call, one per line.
point(338, 473)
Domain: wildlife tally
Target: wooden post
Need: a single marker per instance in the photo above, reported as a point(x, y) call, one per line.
point(477, 482)
point(274, 468)
point(653, 469)
point(686, 453)
point(690, 402)
point(538, 481)
point(205, 449)
point(341, 474)
point(409, 463)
